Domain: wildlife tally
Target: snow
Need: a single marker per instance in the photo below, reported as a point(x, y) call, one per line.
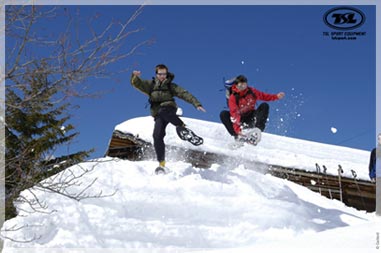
point(179, 111)
point(63, 129)
point(221, 209)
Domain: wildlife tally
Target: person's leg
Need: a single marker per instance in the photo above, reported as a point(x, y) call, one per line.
point(158, 138)
point(261, 115)
point(168, 113)
point(248, 120)
point(225, 119)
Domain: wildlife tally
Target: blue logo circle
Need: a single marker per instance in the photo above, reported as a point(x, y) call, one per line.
point(344, 18)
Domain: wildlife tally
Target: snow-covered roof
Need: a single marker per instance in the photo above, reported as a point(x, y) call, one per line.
point(273, 149)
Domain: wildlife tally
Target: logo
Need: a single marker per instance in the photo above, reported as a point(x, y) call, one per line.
point(344, 18)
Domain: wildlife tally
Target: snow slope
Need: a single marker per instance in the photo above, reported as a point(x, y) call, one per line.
point(221, 209)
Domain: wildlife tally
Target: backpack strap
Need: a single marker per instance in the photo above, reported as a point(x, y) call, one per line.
point(151, 89)
point(236, 95)
point(170, 88)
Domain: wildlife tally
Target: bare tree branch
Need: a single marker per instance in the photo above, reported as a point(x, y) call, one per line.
point(60, 61)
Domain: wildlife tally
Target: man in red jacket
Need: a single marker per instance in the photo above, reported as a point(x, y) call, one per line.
point(242, 113)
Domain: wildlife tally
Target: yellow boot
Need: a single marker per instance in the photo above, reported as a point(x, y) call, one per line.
point(161, 168)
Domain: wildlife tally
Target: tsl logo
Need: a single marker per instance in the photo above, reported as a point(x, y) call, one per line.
point(344, 18)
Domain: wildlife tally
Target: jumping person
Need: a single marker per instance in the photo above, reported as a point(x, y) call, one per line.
point(242, 113)
point(161, 92)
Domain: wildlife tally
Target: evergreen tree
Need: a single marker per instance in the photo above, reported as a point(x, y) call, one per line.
point(35, 127)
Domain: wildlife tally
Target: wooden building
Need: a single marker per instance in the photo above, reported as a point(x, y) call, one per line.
point(360, 194)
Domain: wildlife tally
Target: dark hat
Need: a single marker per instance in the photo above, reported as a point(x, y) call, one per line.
point(241, 79)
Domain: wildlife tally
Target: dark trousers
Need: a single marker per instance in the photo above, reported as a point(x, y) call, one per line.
point(254, 118)
point(165, 115)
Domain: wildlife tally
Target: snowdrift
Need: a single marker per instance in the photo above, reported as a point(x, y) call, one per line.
point(190, 209)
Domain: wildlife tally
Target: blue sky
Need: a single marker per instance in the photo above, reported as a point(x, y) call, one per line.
point(328, 83)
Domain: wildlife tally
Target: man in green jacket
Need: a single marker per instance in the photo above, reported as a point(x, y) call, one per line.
point(161, 91)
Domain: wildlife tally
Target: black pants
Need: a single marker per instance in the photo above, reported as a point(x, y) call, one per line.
point(165, 115)
point(255, 118)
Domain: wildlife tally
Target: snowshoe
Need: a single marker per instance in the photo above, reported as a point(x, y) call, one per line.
point(253, 136)
point(160, 170)
point(188, 135)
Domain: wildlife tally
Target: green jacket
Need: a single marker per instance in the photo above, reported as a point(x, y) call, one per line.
point(161, 94)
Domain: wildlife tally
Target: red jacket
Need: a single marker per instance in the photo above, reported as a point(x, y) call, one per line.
point(246, 103)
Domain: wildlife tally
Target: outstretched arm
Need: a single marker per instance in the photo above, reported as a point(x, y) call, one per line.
point(266, 96)
point(141, 85)
point(187, 96)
